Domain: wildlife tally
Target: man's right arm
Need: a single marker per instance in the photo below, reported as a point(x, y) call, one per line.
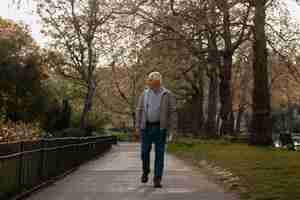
point(138, 113)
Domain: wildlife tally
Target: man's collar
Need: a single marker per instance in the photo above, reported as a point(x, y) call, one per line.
point(158, 91)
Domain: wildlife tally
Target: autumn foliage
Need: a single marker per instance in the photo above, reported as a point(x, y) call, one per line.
point(18, 131)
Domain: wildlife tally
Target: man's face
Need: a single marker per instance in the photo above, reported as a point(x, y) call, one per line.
point(153, 84)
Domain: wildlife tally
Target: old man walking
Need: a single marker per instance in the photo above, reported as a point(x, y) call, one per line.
point(155, 118)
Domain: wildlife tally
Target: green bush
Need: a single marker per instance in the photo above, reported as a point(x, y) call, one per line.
point(122, 137)
point(284, 119)
point(75, 120)
point(70, 132)
point(57, 116)
point(95, 121)
point(64, 115)
point(279, 120)
point(296, 126)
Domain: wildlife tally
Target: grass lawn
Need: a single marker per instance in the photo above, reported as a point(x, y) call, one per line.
point(121, 136)
point(266, 173)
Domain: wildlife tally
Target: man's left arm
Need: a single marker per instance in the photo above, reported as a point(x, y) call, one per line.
point(173, 116)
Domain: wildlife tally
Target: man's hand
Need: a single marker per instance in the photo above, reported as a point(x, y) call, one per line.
point(137, 131)
point(171, 137)
point(136, 134)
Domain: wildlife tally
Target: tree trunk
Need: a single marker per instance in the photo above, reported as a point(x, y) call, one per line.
point(200, 119)
point(201, 98)
point(238, 121)
point(197, 102)
point(197, 113)
point(133, 120)
point(226, 97)
point(225, 76)
point(214, 61)
point(90, 81)
point(261, 133)
point(87, 104)
point(210, 126)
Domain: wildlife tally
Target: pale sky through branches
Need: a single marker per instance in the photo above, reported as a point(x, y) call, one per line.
point(26, 14)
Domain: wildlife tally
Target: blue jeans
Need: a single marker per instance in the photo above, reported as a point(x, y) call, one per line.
point(153, 134)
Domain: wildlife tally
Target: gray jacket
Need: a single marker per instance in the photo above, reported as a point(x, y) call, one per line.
point(168, 114)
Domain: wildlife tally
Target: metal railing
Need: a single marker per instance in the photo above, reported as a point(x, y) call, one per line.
point(28, 164)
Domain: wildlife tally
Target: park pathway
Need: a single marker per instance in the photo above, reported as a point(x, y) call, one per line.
point(116, 176)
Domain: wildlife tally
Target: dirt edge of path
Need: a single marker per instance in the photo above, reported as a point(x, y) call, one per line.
point(222, 177)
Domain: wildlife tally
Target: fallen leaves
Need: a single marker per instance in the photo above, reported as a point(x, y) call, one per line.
point(11, 132)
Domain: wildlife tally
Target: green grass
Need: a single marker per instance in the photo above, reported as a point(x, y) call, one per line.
point(267, 173)
point(121, 137)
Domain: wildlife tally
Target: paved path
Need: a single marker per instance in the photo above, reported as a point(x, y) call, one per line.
point(116, 176)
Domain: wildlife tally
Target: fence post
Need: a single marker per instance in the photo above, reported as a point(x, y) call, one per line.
point(42, 160)
point(20, 176)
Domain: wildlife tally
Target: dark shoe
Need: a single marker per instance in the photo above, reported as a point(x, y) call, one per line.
point(156, 181)
point(144, 178)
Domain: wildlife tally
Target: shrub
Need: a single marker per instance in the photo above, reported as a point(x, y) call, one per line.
point(57, 117)
point(285, 120)
point(279, 120)
point(70, 132)
point(296, 126)
point(122, 137)
point(95, 121)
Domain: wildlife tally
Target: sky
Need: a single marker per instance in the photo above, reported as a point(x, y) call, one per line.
point(27, 15)
point(24, 13)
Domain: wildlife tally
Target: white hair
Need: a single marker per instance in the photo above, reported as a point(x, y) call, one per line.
point(155, 76)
